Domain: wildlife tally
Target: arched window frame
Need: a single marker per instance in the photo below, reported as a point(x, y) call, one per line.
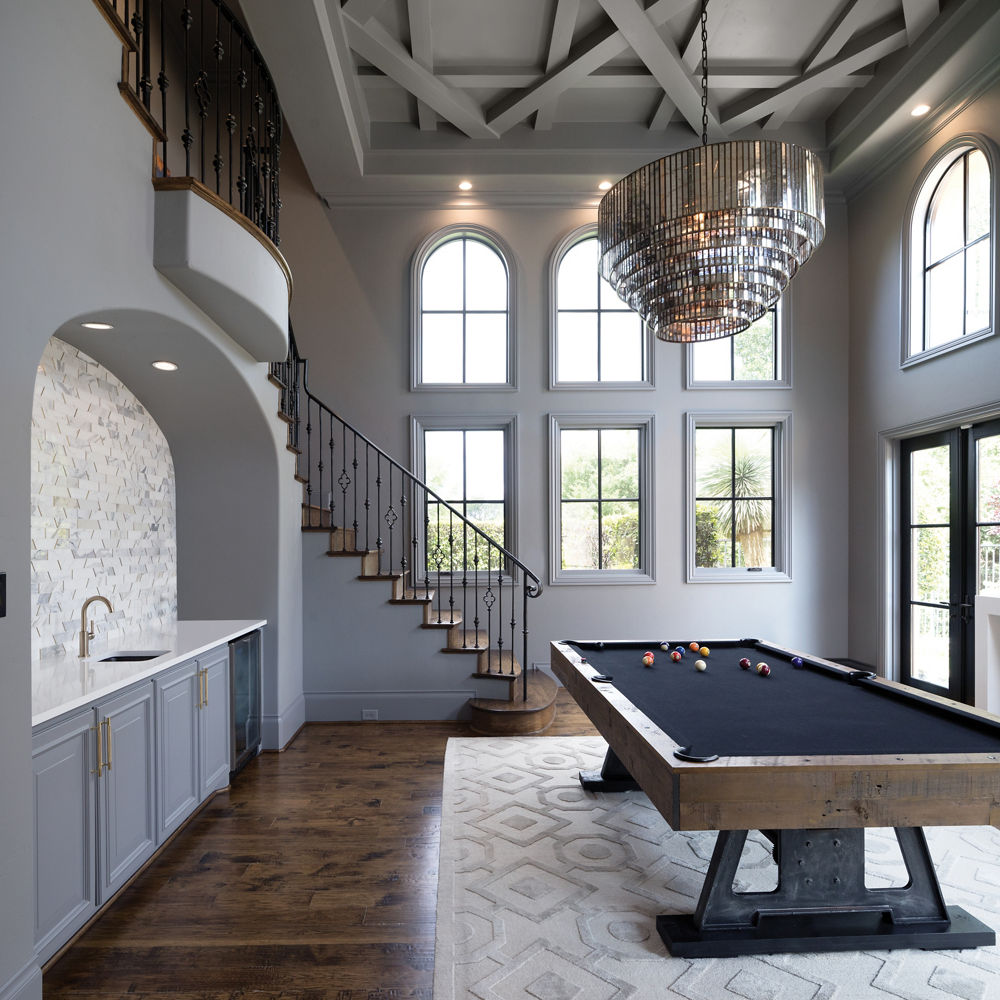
point(564, 246)
point(914, 249)
point(432, 243)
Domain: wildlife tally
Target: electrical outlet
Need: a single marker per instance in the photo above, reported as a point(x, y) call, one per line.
point(369, 715)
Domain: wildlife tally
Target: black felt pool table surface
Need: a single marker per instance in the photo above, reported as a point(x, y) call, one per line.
point(795, 712)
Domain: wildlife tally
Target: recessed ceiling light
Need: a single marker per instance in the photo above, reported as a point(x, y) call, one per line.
point(465, 186)
point(920, 109)
point(97, 326)
point(604, 185)
point(165, 366)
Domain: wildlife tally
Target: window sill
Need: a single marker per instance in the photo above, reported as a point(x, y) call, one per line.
point(768, 575)
point(942, 349)
point(600, 578)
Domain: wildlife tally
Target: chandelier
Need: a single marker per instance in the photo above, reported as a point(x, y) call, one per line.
point(703, 242)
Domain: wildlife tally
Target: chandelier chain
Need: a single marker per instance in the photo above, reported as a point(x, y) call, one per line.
point(704, 72)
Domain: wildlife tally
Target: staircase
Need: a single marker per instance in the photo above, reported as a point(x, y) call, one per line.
point(467, 586)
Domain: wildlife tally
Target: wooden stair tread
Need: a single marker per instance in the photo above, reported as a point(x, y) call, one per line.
point(384, 576)
point(542, 691)
point(287, 417)
point(344, 552)
point(274, 380)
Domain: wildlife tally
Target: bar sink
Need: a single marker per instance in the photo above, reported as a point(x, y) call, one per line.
point(133, 655)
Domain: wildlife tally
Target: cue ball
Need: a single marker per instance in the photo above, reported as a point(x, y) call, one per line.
point(665, 646)
point(797, 662)
point(694, 646)
point(700, 665)
point(744, 663)
point(676, 655)
point(704, 651)
point(763, 669)
point(647, 659)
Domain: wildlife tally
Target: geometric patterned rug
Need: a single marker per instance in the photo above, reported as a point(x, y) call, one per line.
point(547, 892)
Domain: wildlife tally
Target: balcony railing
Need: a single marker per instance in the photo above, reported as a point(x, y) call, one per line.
point(194, 76)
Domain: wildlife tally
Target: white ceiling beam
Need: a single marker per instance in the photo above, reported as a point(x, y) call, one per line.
point(376, 45)
point(842, 28)
point(918, 15)
point(560, 42)
point(592, 53)
point(361, 11)
point(661, 117)
point(422, 50)
point(663, 60)
point(862, 51)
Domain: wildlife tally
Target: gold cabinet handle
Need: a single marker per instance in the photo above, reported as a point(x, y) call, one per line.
point(204, 684)
point(100, 750)
point(107, 722)
point(201, 689)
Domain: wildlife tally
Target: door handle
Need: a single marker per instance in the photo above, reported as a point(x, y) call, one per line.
point(100, 749)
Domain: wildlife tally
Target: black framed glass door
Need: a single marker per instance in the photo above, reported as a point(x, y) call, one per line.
point(949, 552)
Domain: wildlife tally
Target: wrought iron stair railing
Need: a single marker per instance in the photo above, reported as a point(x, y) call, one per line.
point(372, 504)
point(193, 75)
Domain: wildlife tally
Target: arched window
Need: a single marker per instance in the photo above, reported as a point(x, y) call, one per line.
point(462, 295)
point(950, 246)
point(596, 339)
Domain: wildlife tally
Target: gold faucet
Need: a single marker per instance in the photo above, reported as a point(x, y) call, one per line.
point(86, 634)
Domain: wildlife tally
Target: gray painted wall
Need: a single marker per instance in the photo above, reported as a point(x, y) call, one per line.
point(351, 316)
point(77, 206)
point(883, 397)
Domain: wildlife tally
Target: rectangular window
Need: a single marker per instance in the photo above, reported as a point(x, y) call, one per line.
point(738, 471)
point(757, 358)
point(601, 470)
point(468, 468)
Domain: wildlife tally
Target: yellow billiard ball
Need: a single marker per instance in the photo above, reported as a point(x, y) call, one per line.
point(704, 651)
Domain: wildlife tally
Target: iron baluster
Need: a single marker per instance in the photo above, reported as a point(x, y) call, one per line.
point(329, 499)
point(162, 82)
point(500, 615)
point(231, 125)
point(451, 567)
point(378, 507)
point(475, 588)
point(343, 481)
point(219, 50)
point(368, 499)
point(390, 520)
point(309, 487)
point(320, 495)
point(489, 600)
point(402, 537)
point(524, 640)
point(465, 587)
point(187, 137)
point(241, 180)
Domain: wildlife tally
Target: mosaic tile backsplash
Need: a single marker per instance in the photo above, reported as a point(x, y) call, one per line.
point(103, 509)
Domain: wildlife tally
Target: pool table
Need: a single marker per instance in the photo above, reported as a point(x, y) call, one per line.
point(809, 755)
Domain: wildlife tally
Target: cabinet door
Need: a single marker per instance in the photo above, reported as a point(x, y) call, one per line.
point(177, 700)
point(63, 757)
point(213, 721)
point(126, 820)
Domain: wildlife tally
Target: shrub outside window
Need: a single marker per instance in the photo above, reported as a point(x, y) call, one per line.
point(462, 297)
point(738, 524)
point(601, 509)
point(597, 340)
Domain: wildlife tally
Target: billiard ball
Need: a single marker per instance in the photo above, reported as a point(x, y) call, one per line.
point(745, 663)
point(676, 655)
point(694, 646)
point(704, 651)
point(647, 659)
point(763, 669)
point(797, 662)
point(665, 646)
point(700, 665)
point(679, 649)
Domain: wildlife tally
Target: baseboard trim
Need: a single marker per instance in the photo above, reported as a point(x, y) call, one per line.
point(277, 731)
point(392, 706)
point(26, 985)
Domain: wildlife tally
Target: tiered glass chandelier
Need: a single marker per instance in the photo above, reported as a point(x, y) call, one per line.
point(702, 243)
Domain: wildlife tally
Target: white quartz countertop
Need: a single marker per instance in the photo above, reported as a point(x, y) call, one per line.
point(61, 684)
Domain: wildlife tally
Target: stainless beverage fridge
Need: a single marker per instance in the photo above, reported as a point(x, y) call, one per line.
point(244, 693)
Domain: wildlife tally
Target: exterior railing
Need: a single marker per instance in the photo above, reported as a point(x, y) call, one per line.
point(371, 503)
point(194, 76)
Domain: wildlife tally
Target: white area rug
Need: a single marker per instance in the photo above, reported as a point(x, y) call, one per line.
point(550, 893)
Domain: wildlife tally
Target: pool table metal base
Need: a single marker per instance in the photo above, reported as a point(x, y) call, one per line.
point(612, 777)
point(821, 902)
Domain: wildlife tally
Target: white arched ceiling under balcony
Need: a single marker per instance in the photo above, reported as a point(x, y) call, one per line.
point(541, 98)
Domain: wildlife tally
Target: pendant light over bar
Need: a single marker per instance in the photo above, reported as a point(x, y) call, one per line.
point(701, 243)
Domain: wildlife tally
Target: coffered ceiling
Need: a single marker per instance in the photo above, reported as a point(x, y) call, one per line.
point(540, 99)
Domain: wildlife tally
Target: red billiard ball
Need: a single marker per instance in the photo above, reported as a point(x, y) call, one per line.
point(745, 663)
point(763, 669)
point(647, 659)
point(676, 655)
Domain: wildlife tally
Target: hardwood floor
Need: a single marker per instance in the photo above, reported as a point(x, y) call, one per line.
point(313, 876)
